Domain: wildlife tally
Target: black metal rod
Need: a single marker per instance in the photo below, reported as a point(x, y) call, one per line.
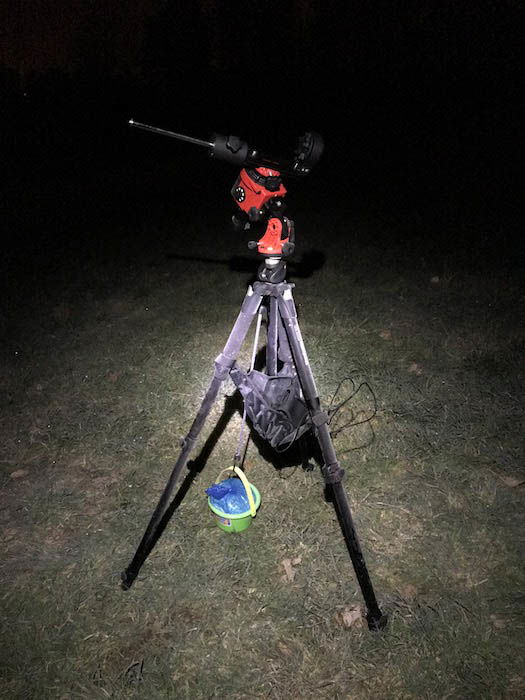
point(171, 134)
point(375, 618)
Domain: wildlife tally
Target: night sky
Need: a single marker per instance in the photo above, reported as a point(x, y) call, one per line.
point(418, 102)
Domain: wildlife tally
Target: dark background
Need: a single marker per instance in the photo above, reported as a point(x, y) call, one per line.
point(418, 102)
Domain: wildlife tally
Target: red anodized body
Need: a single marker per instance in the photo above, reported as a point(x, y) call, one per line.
point(250, 195)
point(252, 190)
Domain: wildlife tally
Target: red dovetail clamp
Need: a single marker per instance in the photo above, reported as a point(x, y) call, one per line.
point(273, 240)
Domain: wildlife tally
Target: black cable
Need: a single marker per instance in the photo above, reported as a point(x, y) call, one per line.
point(354, 419)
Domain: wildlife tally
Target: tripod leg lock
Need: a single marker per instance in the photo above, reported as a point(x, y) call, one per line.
point(223, 365)
point(320, 418)
point(187, 443)
point(333, 473)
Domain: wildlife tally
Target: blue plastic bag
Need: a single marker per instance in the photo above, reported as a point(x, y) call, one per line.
point(229, 496)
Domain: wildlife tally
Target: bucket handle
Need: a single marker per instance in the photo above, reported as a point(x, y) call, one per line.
point(245, 483)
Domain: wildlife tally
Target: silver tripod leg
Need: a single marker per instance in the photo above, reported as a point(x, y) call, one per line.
point(223, 365)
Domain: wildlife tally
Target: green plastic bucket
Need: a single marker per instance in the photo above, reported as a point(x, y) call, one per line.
point(237, 522)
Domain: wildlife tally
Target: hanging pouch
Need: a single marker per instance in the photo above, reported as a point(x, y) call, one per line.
point(274, 406)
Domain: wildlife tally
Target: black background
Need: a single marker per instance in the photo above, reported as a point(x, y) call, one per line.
point(418, 102)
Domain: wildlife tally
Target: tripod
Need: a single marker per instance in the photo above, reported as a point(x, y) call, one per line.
point(284, 346)
point(283, 403)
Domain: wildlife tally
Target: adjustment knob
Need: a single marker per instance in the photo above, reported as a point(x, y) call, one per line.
point(239, 194)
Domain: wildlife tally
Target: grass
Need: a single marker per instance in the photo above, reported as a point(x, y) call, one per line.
point(108, 352)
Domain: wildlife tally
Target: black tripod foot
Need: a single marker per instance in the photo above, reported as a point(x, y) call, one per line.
point(126, 579)
point(376, 622)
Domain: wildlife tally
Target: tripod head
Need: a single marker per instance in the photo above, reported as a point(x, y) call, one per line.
point(258, 192)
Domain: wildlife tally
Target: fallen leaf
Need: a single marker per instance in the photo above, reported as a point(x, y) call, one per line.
point(289, 571)
point(284, 649)
point(351, 617)
point(498, 623)
point(409, 592)
point(386, 334)
point(512, 481)
point(19, 473)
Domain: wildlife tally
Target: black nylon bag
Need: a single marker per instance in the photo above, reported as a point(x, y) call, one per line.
point(274, 406)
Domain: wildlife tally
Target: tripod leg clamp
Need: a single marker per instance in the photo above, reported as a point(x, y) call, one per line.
point(223, 365)
point(333, 473)
point(187, 442)
point(320, 418)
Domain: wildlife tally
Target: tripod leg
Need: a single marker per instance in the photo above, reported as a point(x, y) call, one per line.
point(223, 364)
point(278, 348)
point(285, 353)
point(332, 471)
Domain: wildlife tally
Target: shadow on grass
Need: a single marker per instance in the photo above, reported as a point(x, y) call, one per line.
point(301, 453)
point(311, 261)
